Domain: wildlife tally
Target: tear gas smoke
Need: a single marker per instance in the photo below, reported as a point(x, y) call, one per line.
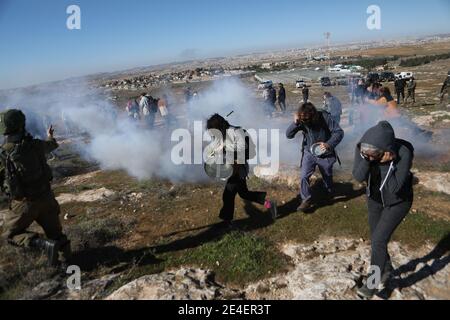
point(115, 142)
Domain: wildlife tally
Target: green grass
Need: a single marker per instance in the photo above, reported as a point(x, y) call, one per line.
point(332, 221)
point(74, 189)
point(436, 195)
point(418, 61)
point(237, 258)
point(21, 271)
point(418, 228)
point(98, 232)
point(335, 221)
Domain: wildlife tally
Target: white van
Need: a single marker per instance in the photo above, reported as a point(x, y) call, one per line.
point(300, 83)
point(404, 75)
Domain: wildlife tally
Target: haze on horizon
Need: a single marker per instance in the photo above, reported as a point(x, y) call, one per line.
point(116, 35)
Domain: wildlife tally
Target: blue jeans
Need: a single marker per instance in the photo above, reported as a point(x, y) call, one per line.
point(309, 164)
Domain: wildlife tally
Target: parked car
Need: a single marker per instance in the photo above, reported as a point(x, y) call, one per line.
point(300, 83)
point(265, 85)
point(341, 81)
point(387, 76)
point(326, 82)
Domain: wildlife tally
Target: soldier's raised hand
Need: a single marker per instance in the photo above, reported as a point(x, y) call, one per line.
point(50, 131)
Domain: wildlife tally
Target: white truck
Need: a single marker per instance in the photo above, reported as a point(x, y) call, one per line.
point(265, 85)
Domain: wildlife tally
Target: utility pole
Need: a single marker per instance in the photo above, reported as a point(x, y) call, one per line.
point(327, 38)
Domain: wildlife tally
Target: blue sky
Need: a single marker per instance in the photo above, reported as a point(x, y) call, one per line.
point(36, 46)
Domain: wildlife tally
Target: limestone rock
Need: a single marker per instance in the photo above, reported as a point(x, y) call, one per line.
point(184, 284)
point(434, 181)
point(332, 269)
point(286, 175)
point(86, 196)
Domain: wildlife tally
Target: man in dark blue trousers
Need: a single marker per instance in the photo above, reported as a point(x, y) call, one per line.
point(317, 127)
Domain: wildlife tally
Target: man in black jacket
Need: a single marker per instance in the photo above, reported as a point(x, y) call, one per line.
point(282, 97)
point(384, 163)
point(400, 89)
point(272, 97)
point(317, 127)
point(305, 94)
point(238, 148)
point(445, 88)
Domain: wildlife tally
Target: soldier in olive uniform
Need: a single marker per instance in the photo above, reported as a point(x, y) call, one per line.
point(411, 86)
point(25, 178)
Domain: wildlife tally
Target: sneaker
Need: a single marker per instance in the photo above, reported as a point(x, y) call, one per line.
point(305, 206)
point(272, 206)
point(365, 293)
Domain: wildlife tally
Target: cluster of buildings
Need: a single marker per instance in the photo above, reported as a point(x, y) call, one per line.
point(159, 79)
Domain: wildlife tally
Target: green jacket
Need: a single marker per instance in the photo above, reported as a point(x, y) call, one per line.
point(43, 147)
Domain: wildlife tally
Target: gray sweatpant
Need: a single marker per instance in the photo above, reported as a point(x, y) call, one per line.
point(383, 222)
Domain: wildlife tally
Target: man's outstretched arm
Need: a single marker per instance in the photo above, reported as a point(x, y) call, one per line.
point(50, 144)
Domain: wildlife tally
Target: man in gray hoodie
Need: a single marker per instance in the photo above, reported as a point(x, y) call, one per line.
point(384, 163)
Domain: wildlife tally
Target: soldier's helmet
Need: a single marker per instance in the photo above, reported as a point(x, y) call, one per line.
point(12, 121)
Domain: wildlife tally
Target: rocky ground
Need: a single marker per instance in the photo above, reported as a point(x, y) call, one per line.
point(328, 269)
point(331, 269)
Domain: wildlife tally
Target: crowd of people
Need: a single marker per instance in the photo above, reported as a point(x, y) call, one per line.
point(271, 97)
point(381, 160)
point(146, 108)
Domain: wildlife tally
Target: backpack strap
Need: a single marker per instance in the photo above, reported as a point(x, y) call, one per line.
point(328, 131)
point(303, 149)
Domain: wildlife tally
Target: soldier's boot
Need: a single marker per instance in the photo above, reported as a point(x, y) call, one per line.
point(49, 247)
point(65, 253)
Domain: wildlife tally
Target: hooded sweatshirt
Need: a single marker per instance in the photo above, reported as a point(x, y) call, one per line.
point(389, 183)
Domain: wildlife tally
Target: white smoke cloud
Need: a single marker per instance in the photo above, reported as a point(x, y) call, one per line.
point(115, 142)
